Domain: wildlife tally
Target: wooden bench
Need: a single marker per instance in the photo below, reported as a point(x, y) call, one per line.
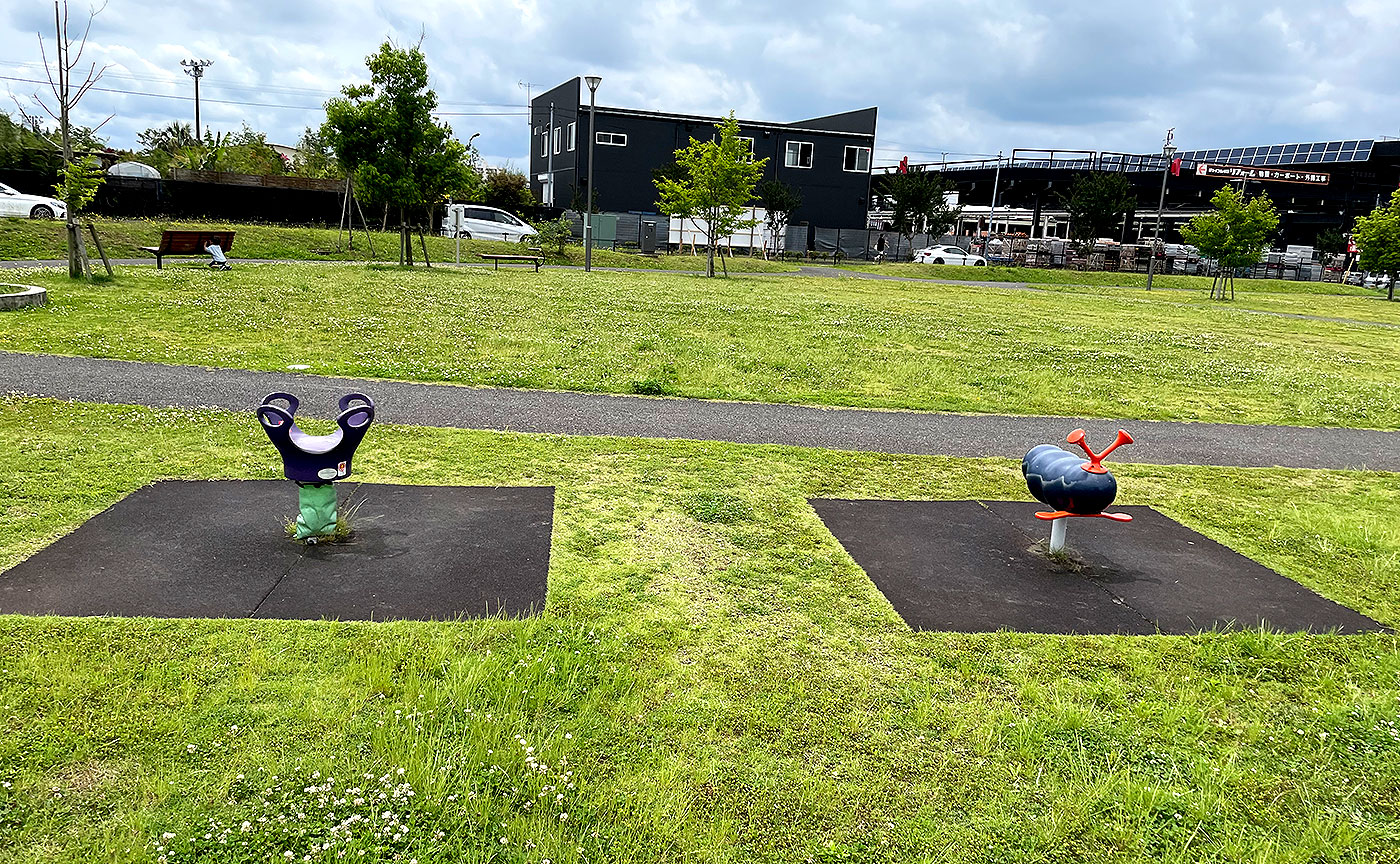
point(496, 260)
point(189, 243)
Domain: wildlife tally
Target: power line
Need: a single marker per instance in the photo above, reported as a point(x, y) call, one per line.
point(259, 88)
point(516, 113)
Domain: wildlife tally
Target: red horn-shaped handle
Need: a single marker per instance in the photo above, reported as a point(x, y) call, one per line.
point(1093, 466)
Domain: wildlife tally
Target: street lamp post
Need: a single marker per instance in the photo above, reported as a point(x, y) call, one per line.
point(1168, 149)
point(593, 82)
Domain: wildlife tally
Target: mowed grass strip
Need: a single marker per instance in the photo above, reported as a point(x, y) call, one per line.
point(1088, 278)
point(848, 342)
point(713, 679)
point(36, 240)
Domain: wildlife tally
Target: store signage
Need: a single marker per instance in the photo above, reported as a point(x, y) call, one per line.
point(1251, 172)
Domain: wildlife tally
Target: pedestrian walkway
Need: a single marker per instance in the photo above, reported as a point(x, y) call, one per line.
point(563, 413)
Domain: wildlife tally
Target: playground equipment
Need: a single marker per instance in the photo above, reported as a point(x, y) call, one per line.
point(1072, 486)
point(315, 462)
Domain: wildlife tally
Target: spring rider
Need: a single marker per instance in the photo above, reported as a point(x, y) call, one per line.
point(315, 462)
point(1072, 486)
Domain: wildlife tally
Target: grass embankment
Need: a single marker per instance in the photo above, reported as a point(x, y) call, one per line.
point(788, 339)
point(713, 680)
point(31, 240)
point(1045, 276)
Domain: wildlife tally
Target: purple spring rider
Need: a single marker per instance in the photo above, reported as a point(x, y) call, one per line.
point(315, 462)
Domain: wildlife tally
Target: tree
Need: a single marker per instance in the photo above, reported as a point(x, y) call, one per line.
point(1378, 239)
point(1097, 203)
point(920, 200)
point(1235, 233)
point(507, 189)
point(384, 135)
point(779, 201)
point(315, 157)
point(78, 182)
point(717, 186)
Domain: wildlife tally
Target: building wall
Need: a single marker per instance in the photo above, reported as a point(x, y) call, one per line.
point(832, 197)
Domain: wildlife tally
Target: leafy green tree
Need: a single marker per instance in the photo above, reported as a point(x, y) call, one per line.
point(160, 146)
point(384, 134)
point(1235, 233)
point(920, 203)
point(717, 186)
point(779, 201)
point(78, 182)
point(1097, 203)
point(23, 148)
point(507, 189)
point(315, 157)
point(1378, 239)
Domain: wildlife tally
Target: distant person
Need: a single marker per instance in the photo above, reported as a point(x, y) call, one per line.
point(219, 262)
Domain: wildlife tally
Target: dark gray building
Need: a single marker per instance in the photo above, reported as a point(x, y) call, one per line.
point(826, 158)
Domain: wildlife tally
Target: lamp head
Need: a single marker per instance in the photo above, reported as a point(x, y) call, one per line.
point(593, 81)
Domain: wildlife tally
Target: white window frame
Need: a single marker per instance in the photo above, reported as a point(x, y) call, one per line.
point(573, 136)
point(544, 143)
point(750, 143)
point(612, 139)
point(558, 140)
point(788, 161)
point(857, 169)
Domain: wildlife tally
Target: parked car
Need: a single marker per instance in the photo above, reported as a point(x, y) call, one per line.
point(484, 223)
point(1377, 280)
point(948, 255)
point(15, 203)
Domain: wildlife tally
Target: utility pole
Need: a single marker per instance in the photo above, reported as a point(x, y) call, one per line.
point(1168, 149)
point(996, 183)
point(195, 69)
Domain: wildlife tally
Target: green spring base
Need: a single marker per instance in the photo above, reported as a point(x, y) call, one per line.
point(317, 516)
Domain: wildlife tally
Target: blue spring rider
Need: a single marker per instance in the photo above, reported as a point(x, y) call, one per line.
point(315, 462)
point(1072, 486)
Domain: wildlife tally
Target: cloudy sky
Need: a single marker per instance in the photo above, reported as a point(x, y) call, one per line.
point(958, 77)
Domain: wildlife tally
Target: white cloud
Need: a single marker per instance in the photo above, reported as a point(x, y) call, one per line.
point(956, 76)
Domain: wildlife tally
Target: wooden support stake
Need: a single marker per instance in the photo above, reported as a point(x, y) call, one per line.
point(100, 251)
point(424, 241)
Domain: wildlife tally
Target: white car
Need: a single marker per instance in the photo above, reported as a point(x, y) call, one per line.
point(484, 223)
point(14, 203)
point(948, 255)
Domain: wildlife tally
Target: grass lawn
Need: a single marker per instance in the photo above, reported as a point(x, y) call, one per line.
point(713, 679)
point(1045, 276)
point(28, 239)
point(775, 338)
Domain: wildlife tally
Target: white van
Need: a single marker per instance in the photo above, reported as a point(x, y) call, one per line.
point(483, 223)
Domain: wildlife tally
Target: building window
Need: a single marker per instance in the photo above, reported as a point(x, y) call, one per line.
point(857, 159)
point(614, 139)
point(799, 154)
point(748, 145)
point(573, 135)
point(544, 144)
point(558, 138)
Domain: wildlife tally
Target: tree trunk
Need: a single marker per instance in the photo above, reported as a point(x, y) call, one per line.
point(1390, 290)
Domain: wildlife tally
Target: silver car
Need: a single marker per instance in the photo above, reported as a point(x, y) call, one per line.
point(15, 203)
point(948, 255)
point(483, 223)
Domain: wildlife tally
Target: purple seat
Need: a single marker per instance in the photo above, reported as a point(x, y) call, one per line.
point(316, 458)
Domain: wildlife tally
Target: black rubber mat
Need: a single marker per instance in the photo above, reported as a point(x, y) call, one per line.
point(972, 566)
point(183, 549)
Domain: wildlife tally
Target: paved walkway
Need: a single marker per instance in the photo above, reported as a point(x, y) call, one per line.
point(122, 382)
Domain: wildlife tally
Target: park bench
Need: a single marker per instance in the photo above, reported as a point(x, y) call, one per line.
point(189, 243)
point(496, 260)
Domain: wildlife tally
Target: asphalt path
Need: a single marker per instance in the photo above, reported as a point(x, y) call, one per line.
point(1164, 443)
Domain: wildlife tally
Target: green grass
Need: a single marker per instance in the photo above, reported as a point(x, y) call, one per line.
point(849, 342)
point(1045, 276)
point(27, 239)
point(718, 677)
